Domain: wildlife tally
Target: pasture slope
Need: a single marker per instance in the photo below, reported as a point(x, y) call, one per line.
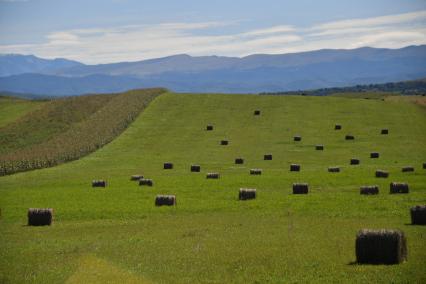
point(12, 108)
point(116, 234)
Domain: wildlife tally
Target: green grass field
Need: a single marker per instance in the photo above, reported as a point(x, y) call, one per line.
point(117, 235)
point(13, 108)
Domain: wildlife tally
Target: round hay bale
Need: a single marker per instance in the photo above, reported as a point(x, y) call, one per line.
point(297, 138)
point(146, 181)
point(136, 177)
point(168, 166)
point(369, 190)
point(333, 169)
point(195, 168)
point(212, 175)
point(40, 216)
point(398, 187)
point(424, 165)
point(337, 127)
point(349, 137)
point(319, 147)
point(239, 161)
point(294, 168)
point(384, 131)
point(382, 174)
point(354, 161)
point(209, 127)
point(224, 142)
point(380, 246)
point(418, 215)
point(166, 200)
point(300, 188)
point(407, 169)
point(247, 193)
point(267, 157)
point(374, 155)
point(257, 112)
point(255, 171)
point(99, 183)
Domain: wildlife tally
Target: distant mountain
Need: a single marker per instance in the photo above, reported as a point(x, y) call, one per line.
point(252, 74)
point(14, 64)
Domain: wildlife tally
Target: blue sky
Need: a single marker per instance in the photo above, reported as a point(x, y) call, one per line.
point(95, 31)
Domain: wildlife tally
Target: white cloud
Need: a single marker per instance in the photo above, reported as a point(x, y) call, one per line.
point(136, 42)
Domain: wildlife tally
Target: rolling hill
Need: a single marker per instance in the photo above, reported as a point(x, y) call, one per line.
point(211, 236)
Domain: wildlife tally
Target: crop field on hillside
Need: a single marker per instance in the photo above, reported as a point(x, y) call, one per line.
point(13, 108)
point(118, 234)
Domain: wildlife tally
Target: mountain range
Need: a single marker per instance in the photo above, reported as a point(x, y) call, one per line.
point(183, 73)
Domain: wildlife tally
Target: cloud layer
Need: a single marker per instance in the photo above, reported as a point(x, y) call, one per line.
point(136, 42)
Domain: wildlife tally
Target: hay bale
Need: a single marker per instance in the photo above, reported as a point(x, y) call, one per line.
point(239, 161)
point(337, 127)
point(297, 138)
point(384, 131)
point(382, 174)
point(247, 193)
point(167, 200)
point(300, 188)
point(294, 168)
point(146, 181)
point(349, 137)
point(40, 216)
point(374, 155)
point(168, 166)
point(257, 112)
point(224, 142)
point(99, 183)
point(380, 246)
point(212, 175)
point(267, 157)
point(136, 177)
point(369, 190)
point(424, 165)
point(398, 187)
point(195, 168)
point(354, 161)
point(256, 171)
point(209, 127)
point(418, 215)
point(319, 147)
point(407, 169)
point(333, 169)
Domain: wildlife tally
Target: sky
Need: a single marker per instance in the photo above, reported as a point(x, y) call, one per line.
point(106, 31)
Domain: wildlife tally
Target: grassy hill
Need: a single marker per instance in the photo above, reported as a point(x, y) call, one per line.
point(117, 234)
point(12, 108)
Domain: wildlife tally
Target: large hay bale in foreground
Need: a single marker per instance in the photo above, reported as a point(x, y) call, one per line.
point(224, 142)
point(407, 169)
point(333, 169)
point(297, 138)
point(239, 161)
point(354, 161)
point(209, 127)
point(418, 215)
point(167, 200)
point(212, 175)
point(99, 183)
point(398, 187)
point(319, 147)
point(380, 246)
point(168, 166)
point(40, 216)
point(369, 190)
point(195, 168)
point(337, 127)
point(257, 112)
point(247, 193)
point(267, 157)
point(374, 155)
point(382, 174)
point(146, 181)
point(424, 165)
point(349, 137)
point(300, 188)
point(136, 177)
point(384, 131)
point(294, 168)
point(256, 171)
